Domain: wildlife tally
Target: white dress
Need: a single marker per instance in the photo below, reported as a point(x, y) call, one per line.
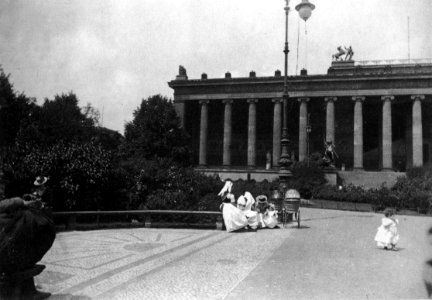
point(251, 216)
point(234, 218)
point(387, 234)
point(270, 218)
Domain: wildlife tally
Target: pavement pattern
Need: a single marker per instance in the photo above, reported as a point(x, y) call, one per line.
point(332, 256)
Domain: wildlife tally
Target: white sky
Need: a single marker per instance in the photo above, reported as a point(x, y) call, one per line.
point(113, 53)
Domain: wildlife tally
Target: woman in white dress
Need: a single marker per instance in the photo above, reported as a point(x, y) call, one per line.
point(387, 235)
point(245, 204)
point(233, 217)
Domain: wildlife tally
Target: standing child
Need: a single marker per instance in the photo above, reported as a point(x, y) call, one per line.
point(387, 235)
point(261, 208)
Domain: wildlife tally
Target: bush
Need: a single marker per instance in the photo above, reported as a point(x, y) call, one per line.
point(307, 178)
point(160, 185)
point(255, 188)
point(78, 173)
point(412, 192)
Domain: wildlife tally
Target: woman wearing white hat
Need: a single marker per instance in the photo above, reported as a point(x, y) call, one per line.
point(245, 203)
point(234, 218)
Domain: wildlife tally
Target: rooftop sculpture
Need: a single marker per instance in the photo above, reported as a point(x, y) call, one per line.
point(348, 52)
point(182, 71)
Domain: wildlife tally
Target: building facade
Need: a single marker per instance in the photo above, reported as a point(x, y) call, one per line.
point(378, 114)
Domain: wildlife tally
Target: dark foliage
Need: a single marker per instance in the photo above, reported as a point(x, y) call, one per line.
point(155, 132)
point(15, 109)
point(307, 177)
point(161, 185)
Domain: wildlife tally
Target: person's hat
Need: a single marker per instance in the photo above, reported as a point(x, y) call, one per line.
point(231, 197)
point(388, 212)
point(261, 198)
point(40, 180)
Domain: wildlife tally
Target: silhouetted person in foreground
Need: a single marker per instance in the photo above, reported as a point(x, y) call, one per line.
point(27, 232)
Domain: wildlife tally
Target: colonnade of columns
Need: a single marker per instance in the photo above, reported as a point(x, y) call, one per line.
point(387, 163)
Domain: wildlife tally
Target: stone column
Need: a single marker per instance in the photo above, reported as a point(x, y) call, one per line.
point(251, 155)
point(358, 132)
point(227, 133)
point(408, 141)
point(277, 126)
point(203, 133)
point(303, 116)
point(417, 131)
point(387, 153)
point(330, 119)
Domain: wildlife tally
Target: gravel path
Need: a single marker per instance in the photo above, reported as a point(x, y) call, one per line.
point(331, 256)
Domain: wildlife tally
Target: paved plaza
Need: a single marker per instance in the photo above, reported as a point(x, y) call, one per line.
point(332, 255)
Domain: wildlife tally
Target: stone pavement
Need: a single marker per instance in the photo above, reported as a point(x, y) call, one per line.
point(331, 256)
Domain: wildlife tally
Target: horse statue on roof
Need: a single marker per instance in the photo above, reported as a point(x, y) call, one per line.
point(337, 56)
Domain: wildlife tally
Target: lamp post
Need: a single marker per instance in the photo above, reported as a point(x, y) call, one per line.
point(305, 10)
point(285, 161)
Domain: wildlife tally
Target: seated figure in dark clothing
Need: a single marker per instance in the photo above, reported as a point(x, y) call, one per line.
point(27, 232)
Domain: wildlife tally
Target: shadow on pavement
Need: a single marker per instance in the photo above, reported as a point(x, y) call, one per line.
point(336, 217)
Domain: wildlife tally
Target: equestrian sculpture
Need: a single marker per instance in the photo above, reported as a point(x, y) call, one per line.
point(348, 52)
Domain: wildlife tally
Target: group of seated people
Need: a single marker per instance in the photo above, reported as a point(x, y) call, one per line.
point(246, 212)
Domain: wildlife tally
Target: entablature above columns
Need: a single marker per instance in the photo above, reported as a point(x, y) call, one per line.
point(305, 94)
point(308, 86)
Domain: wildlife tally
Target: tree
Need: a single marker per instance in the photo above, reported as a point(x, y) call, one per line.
point(60, 119)
point(77, 171)
point(107, 138)
point(155, 132)
point(14, 111)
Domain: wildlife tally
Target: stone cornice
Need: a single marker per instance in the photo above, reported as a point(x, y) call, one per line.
point(305, 94)
point(314, 86)
point(296, 79)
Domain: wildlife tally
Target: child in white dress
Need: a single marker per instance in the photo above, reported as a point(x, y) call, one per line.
point(387, 235)
point(270, 216)
point(261, 208)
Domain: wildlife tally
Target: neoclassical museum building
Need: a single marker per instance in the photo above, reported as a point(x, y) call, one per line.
point(377, 113)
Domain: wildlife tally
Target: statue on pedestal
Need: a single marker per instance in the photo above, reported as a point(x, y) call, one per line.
point(329, 154)
point(182, 71)
point(337, 56)
point(349, 53)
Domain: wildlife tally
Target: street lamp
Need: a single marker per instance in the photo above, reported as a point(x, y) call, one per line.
point(305, 10)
